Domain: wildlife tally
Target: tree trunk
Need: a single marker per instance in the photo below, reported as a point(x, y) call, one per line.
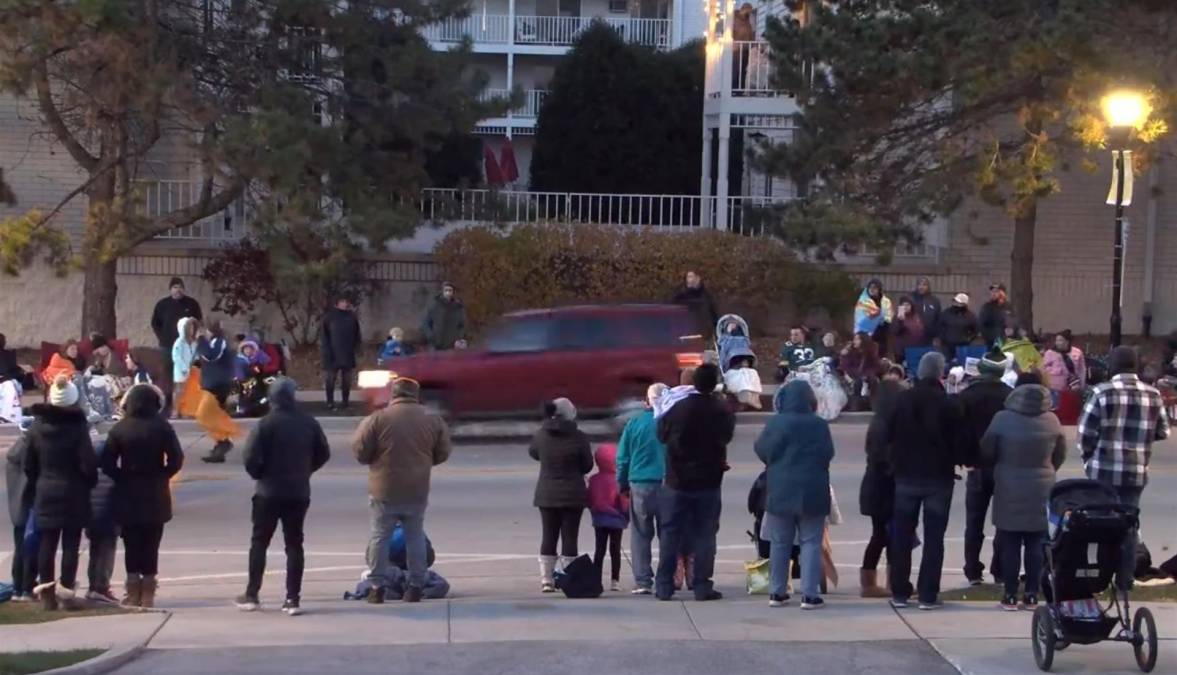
point(1021, 278)
point(98, 298)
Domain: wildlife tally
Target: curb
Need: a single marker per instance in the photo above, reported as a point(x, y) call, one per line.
point(112, 659)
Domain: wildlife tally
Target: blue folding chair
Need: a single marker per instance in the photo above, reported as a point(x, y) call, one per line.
point(963, 354)
point(911, 359)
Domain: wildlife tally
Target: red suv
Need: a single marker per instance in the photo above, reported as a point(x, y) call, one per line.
point(600, 357)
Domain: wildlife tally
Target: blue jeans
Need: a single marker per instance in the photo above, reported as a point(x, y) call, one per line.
point(935, 498)
point(643, 512)
point(1012, 544)
point(385, 517)
point(807, 531)
point(1129, 496)
point(692, 518)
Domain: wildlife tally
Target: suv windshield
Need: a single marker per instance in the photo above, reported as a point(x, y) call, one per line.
point(522, 334)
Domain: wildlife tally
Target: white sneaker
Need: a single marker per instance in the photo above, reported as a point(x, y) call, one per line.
point(22, 597)
point(615, 586)
point(641, 591)
point(291, 608)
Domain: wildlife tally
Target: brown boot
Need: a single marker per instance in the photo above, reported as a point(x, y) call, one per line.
point(134, 589)
point(869, 580)
point(147, 594)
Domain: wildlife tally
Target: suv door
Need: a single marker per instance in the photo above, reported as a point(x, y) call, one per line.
point(510, 374)
point(582, 360)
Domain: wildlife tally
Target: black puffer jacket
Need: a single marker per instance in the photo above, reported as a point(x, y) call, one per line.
point(979, 403)
point(923, 434)
point(285, 448)
point(142, 454)
point(696, 432)
point(702, 306)
point(339, 340)
point(20, 497)
point(62, 467)
point(957, 327)
point(564, 457)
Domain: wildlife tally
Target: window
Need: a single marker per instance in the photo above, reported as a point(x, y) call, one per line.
point(527, 334)
point(584, 333)
point(618, 6)
point(661, 330)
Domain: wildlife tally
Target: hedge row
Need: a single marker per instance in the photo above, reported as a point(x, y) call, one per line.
point(500, 270)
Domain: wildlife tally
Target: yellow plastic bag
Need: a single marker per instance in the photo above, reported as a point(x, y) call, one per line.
point(759, 578)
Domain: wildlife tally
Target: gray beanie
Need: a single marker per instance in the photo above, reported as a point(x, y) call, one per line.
point(564, 409)
point(931, 366)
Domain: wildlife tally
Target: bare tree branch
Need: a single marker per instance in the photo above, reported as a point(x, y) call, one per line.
point(57, 124)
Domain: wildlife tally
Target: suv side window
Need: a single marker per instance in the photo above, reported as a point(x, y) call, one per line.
point(584, 332)
point(657, 330)
point(514, 336)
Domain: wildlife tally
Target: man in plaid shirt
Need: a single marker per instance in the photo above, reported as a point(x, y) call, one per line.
point(1119, 424)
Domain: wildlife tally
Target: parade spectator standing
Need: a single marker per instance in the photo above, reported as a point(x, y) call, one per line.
point(922, 436)
point(910, 330)
point(996, 315)
point(142, 455)
point(282, 452)
point(696, 431)
point(796, 448)
point(338, 344)
point(980, 402)
point(185, 395)
point(876, 496)
point(445, 320)
point(873, 314)
point(610, 513)
point(927, 306)
point(1065, 367)
point(957, 326)
point(165, 322)
point(1026, 447)
point(641, 467)
point(62, 467)
point(20, 503)
point(103, 533)
point(695, 297)
point(400, 445)
point(565, 458)
point(216, 383)
point(1119, 424)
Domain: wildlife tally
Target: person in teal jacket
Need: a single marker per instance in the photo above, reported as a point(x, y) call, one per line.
point(796, 447)
point(641, 466)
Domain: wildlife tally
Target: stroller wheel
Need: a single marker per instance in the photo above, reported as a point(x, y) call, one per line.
point(1144, 643)
point(1043, 637)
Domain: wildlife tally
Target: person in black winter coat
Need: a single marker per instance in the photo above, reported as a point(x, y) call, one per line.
point(20, 502)
point(957, 326)
point(565, 457)
point(980, 403)
point(142, 454)
point(282, 452)
point(103, 533)
point(61, 466)
point(922, 436)
point(876, 495)
point(445, 320)
point(338, 344)
point(165, 319)
point(695, 297)
point(696, 432)
point(996, 315)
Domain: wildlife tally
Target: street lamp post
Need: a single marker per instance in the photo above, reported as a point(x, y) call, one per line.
point(1124, 110)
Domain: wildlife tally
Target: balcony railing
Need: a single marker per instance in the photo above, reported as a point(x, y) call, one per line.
point(531, 104)
point(555, 31)
point(159, 198)
point(744, 66)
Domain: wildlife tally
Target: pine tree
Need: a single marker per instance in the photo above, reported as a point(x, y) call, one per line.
point(309, 110)
point(915, 106)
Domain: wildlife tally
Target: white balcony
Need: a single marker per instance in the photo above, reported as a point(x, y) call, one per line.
point(527, 112)
point(542, 34)
point(161, 197)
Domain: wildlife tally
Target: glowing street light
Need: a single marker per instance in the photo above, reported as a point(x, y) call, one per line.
point(1125, 110)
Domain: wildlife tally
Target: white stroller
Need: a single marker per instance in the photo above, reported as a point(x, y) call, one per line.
point(737, 361)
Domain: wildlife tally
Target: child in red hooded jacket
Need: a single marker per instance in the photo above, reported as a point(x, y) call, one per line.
point(610, 511)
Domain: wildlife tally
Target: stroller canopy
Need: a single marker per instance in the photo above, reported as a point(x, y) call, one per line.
point(1076, 493)
point(733, 346)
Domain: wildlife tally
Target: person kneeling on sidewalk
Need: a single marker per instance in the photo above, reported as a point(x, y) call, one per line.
point(400, 445)
point(282, 452)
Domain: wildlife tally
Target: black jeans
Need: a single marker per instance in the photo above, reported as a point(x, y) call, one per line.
point(165, 381)
point(877, 544)
point(141, 548)
point(344, 384)
point(71, 541)
point(934, 497)
point(1012, 544)
point(24, 567)
point(104, 545)
point(562, 524)
point(978, 493)
point(267, 513)
point(611, 538)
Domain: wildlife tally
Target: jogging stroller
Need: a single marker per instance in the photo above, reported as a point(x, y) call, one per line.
point(1088, 525)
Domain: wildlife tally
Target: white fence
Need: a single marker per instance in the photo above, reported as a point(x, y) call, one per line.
point(488, 28)
point(531, 104)
point(556, 31)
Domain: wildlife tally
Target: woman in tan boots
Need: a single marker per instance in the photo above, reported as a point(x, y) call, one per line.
point(876, 497)
point(142, 454)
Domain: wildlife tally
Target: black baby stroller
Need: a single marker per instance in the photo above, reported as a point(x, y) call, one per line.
point(1088, 525)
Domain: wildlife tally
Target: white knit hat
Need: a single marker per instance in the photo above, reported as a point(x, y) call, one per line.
point(63, 393)
point(564, 409)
